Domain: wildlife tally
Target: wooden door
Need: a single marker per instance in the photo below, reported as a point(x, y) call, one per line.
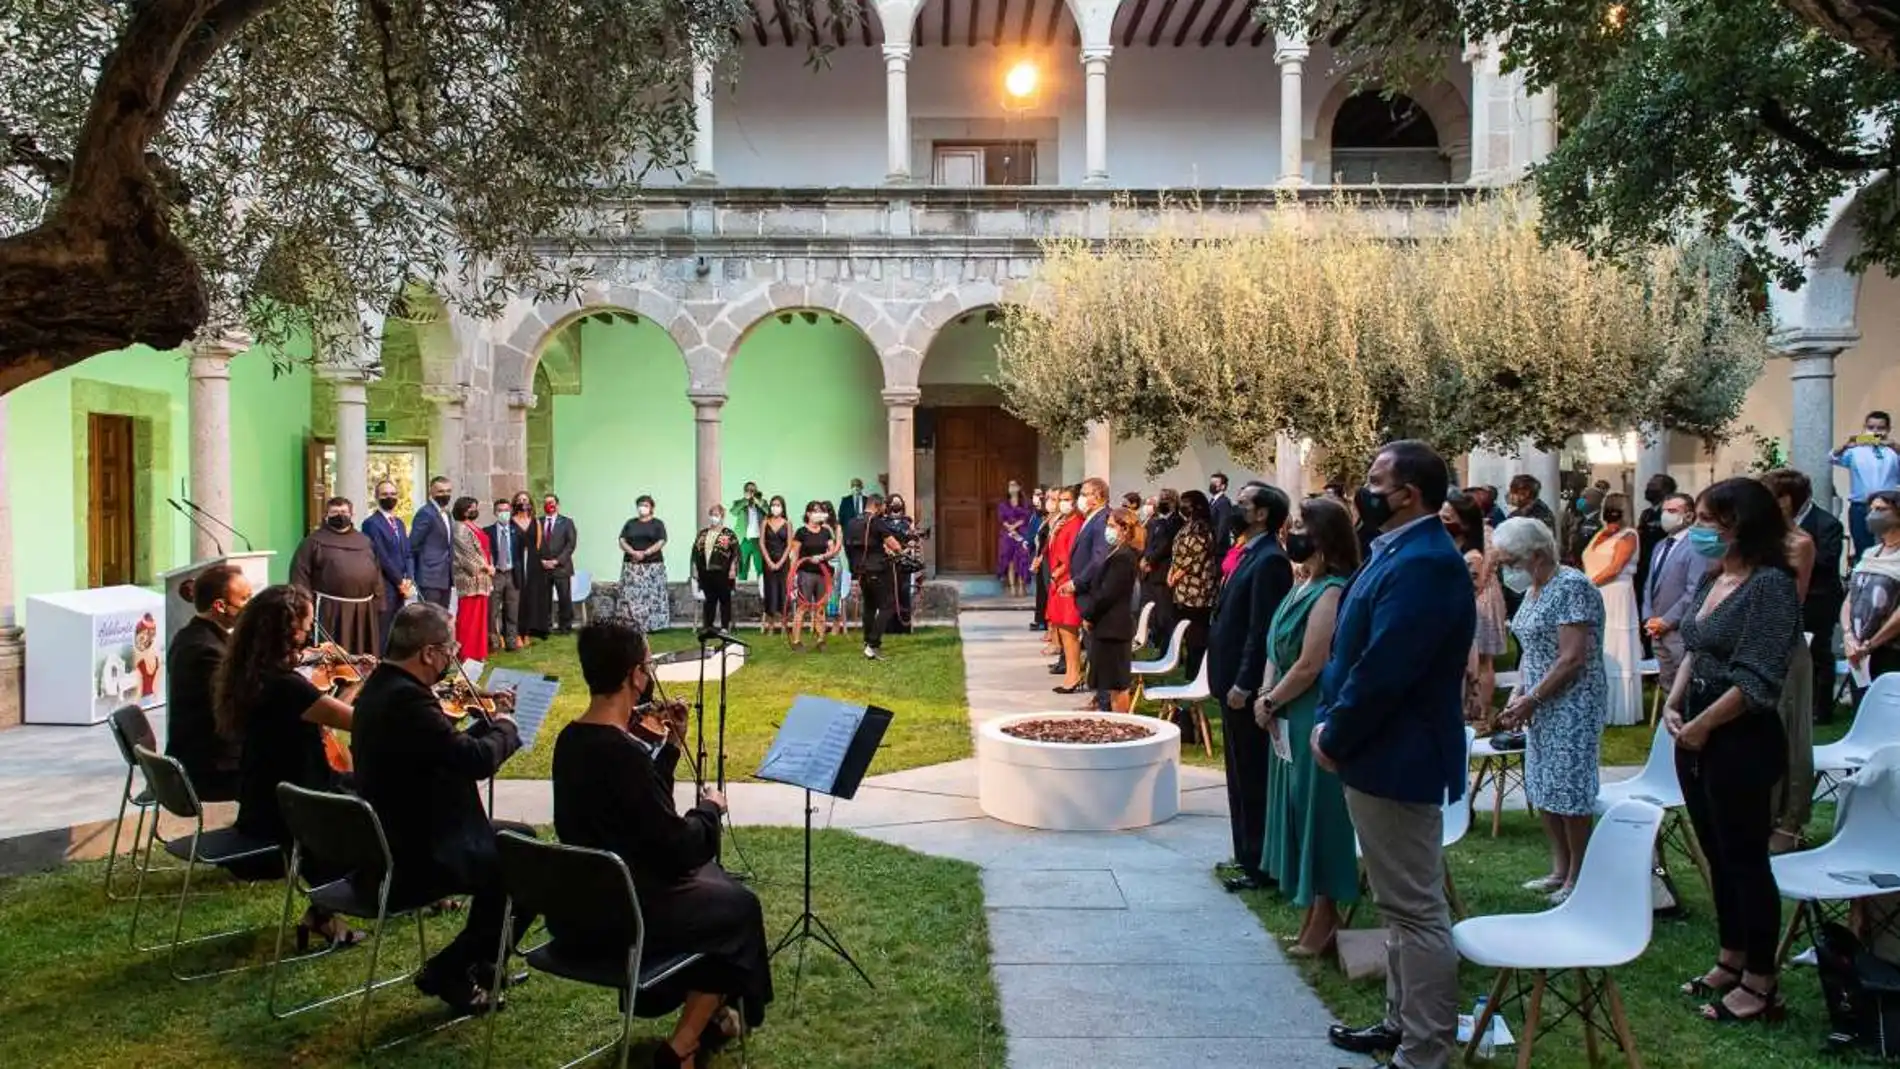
point(979, 450)
point(111, 511)
point(961, 166)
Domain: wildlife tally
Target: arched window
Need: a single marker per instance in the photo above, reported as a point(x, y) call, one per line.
point(1390, 141)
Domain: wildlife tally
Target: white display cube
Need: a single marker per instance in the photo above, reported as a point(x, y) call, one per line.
point(90, 651)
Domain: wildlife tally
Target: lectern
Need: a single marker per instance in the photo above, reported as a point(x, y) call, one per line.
point(179, 609)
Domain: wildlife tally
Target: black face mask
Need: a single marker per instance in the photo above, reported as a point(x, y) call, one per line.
point(1299, 547)
point(1612, 515)
point(448, 669)
point(1164, 508)
point(441, 499)
point(388, 503)
point(1213, 490)
point(1653, 496)
point(1374, 508)
point(337, 523)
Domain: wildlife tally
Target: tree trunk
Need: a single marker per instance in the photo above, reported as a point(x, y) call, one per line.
point(1871, 26)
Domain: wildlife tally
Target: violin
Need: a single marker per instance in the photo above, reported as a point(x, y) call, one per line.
point(652, 722)
point(331, 664)
point(335, 754)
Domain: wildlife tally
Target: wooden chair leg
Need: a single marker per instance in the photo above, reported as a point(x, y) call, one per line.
point(1694, 848)
point(1531, 1015)
point(1584, 995)
point(1789, 935)
point(1451, 896)
point(1497, 797)
point(1620, 1023)
point(1483, 1023)
point(1207, 733)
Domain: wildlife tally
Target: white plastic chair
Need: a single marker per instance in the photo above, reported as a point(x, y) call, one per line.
point(1498, 769)
point(1591, 932)
point(1652, 669)
point(1169, 660)
point(1866, 840)
point(1658, 785)
point(1876, 724)
point(1141, 625)
point(580, 590)
point(1457, 823)
point(1192, 695)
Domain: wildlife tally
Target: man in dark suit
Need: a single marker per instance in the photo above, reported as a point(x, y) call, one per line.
point(1237, 662)
point(851, 505)
point(1675, 573)
point(1220, 512)
point(219, 593)
point(504, 607)
point(557, 542)
point(1649, 530)
point(1391, 723)
point(390, 540)
point(1085, 558)
point(423, 778)
point(1821, 612)
point(1157, 555)
point(432, 544)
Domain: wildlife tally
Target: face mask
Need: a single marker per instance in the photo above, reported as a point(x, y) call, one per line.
point(1299, 547)
point(856, 489)
point(1066, 507)
point(1015, 489)
point(1165, 508)
point(715, 518)
point(501, 515)
point(1653, 496)
point(1707, 541)
point(814, 517)
point(388, 504)
point(778, 510)
point(1213, 490)
point(646, 510)
point(1113, 536)
point(1516, 579)
point(337, 523)
point(441, 499)
point(1612, 515)
point(1374, 508)
point(1454, 528)
point(522, 508)
point(897, 508)
point(1673, 521)
point(550, 509)
point(1879, 523)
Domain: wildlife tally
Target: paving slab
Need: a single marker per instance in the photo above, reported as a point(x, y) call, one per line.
point(1046, 888)
point(1191, 1005)
point(1148, 1053)
point(1065, 936)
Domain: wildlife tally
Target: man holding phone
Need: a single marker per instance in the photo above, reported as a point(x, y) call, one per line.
point(1872, 465)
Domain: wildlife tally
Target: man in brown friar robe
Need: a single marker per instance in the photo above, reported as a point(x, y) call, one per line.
point(337, 564)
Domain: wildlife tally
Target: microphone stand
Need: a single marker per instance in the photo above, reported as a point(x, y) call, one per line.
point(195, 507)
point(216, 542)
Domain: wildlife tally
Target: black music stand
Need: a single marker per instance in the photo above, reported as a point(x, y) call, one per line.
point(824, 746)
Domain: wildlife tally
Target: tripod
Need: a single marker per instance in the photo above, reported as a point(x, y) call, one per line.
point(707, 639)
point(811, 927)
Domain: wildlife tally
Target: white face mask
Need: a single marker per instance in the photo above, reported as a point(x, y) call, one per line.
point(1673, 521)
point(814, 517)
point(715, 518)
point(646, 510)
point(501, 515)
point(1518, 580)
point(1113, 535)
point(1066, 507)
point(778, 510)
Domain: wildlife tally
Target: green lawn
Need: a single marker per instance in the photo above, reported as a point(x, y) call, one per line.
point(920, 679)
point(1663, 1021)
point(76, 997)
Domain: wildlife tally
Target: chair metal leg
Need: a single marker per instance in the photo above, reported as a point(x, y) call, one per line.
point(501, 970)
point(283, 922)
point(1531, 1016)
point(138, 893)
point(1483, 1024)
point(1620, 1022)
point(118, 828)
point(1497, 796)
point(1789, 934)
point(369, 975)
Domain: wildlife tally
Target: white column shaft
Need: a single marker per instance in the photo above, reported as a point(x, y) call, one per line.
point(1543, 126)
point(450, 431)
point(1292, 60)
point(897, 104)
point(1289, 470)
point(1811, 437)
point(901, 422)
point(210, 399)
point(1095, 73)
point(352, 442)
point(1098, 452)
point(1546, 468)
point(703, 121)
point(1653, 459)
point(706, 459)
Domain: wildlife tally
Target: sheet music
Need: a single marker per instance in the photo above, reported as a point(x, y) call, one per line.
point(534, 699)
point(812, 743)
point(473, 670)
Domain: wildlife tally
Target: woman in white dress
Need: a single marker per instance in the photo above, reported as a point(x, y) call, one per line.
point(1610, 562)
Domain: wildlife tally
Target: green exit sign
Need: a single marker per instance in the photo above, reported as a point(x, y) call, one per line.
point(376, 428)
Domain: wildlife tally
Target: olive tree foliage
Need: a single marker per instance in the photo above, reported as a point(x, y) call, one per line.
point(1351, 325)
point(172, 166)
point(1739, 117)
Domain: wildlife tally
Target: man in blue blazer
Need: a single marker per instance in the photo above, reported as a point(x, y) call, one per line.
point(1091, 547)
point(1237, 663)
point(1391, 724)
point(386, 535)
point(1675, 573)
point(432, 544)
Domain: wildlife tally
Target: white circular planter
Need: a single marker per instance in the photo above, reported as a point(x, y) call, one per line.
point(1070, 786)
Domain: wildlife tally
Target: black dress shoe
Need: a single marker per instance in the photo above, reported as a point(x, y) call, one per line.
point(1057, 669)
point(1244, 882)
point(1373, 1039)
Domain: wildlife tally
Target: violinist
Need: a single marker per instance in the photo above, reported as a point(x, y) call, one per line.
point(281, 721)
point(613, 790)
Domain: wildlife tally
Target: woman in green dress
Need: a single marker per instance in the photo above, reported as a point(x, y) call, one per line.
point(1309, 843)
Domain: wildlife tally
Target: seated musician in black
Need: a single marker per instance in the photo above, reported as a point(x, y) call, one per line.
point(423, 777)
point(614, 791)
point(219, 594)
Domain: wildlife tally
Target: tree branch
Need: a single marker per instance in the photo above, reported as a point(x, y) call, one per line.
point(1776, 118)
point(1870, 26)
point(220, 25)
point(24, 148)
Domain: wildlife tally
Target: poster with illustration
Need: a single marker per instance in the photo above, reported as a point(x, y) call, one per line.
point(128, 660)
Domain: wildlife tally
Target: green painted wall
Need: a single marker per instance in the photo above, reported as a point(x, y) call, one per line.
point(46, 461)
point(396, 396)
point(804, 412)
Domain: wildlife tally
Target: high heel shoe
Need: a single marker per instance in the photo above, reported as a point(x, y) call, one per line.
point(1077, 689)
point(1772, 1010)
point(338, 939)
point(1702, 987)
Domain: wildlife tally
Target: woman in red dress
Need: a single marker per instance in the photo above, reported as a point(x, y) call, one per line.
point(474, 580)
point(1065, 619)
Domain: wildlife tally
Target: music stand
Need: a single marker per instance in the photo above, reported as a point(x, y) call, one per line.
point(824, 746)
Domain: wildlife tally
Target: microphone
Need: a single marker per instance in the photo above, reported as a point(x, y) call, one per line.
point(193, 506)
point(713, 634)
point(209, 533)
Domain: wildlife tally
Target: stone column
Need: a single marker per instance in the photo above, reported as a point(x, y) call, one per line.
point(450, 433)
point(703, 124)
point(1483, 74)
point(1546, 468)
point(1289, 466)
point(1811, 354)
point(1095, 74)
point(352, 439)
point(1098, 452)
point(1653, 459)
point(706, 462)
point(210, 398)
point(900, 414)
point(1291, 54)
point(1543, 126)
point(12, 648)
point(897, 108)
point(511, 459)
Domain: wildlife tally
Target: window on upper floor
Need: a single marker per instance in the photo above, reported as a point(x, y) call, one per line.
point(1387, 141)
point(983, 163)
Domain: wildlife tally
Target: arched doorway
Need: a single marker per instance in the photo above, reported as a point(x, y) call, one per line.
point(975, 447)
point(1384, 140)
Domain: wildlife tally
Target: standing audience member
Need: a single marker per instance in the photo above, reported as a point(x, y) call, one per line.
point(1609, 559)
point(749, 513)
point(1193, 578)
point(1675, 574)
point(775, 545)
point(1730, 749)
point(644, 598)
point(874, 541)
point(1237, 664)
point(336, 564)
point(1487, 499)
point(504, 606)
point(1220, 513)
point(1872, 465)
point(474, 580)
point(390, 539)
point(903, 584)
point(556, 545)
point(1464, 521)
point(1091, 545)
point(1869, 624)
point(1391, 724)
point(1794, 794)
point(1821, 609)
point(432, 543)
point(1524, 494)
point(1309, 841)
point(1064, 615)
point(423, 777)
point(1649, 532)
point(1156, 554)
point(1561, 698)
point(1043, 502)
point(1013, 554)
point(537, 595)
point(1111, 611)
point(814, 553)
point(851, 505)
point(715, 563)
point(1581, 523)
point(219, 593)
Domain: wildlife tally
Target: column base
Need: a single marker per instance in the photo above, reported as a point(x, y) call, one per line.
point(897, 179)
point(12, 677)
point(1095, 181)
point(703, 178)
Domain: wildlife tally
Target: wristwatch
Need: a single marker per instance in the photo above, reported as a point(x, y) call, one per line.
point(1267, 702)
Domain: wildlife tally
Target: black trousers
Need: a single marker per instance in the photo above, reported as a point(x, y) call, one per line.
point(718, 593)
point(1245, 754)
point(1194, 643)
point(472, 951)
point(877, 604)
point(1154, 591)
point(1728, 785)
point(1821, 614)
point(1041, 619)
point(435, 595)
point(564, 597)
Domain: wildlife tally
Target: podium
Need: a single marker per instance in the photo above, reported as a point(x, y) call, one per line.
point(179, 610)
point(93, 651)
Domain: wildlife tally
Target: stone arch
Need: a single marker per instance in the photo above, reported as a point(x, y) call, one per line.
point(903, 363)
point(1441, 101)
point(517, 358)
point(1830, 296)
point(737, 319)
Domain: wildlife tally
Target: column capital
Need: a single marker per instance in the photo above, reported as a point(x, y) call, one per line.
point(345, 373)
point(1094, 56)
point(1799, 342)
point(519, 398)
point(446, 394)
point(217, 349)
point(706, 401)
point(897, 50)
point(902, 397)
point(1290, 50)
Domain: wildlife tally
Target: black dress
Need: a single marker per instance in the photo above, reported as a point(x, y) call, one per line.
point(612, 793)
point(775, 540)
point(280, 746)
point(1111, 618)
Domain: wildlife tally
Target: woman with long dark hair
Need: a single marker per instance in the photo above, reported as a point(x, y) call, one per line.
point(814, 549)
point(1730, 746)
point(283, 721)
point(775, 536)
point(1013, 520)
point(1111, 611)
point(473, 577)
point(1869, 624)
point(1193, 578)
